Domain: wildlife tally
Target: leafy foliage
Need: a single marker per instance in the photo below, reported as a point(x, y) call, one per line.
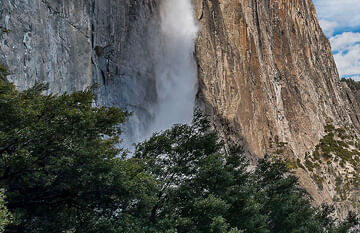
point(200, 189)
point(352, 84)
point(57, 158)
point(205, 188)
point(5, 216)
point(63, 172)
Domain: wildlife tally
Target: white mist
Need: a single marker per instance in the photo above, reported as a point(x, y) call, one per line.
point(175, 66)
point(171, 47)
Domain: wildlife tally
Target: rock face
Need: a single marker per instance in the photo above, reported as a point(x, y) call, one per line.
point(267, 76)
point(73, 44)
point(48, 41)
point(266, 68)
point(266, 73)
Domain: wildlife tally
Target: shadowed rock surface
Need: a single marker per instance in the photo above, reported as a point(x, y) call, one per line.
point(74, 44)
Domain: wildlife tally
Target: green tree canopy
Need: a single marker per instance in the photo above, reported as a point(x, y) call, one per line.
point(63, 171)
point(5, 216)
point(204, 187)
point(57, 158)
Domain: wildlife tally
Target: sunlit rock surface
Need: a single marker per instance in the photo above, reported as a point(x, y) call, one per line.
point(268, 78)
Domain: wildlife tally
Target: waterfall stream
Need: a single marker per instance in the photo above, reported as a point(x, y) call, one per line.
point(174, 69)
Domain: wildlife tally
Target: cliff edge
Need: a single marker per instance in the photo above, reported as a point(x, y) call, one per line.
point(268, 77)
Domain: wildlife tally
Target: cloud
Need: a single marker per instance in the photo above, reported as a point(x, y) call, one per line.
point(328, 26)
point(336, 16)
point(346, 48)
point(344, 41)
point(340, 21)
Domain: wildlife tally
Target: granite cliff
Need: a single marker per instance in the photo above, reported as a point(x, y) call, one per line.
point(74, 44)
point(265, 69)
point(267, 76)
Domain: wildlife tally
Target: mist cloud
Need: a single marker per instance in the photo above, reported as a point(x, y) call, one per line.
point(175, 66)
point(170, 45)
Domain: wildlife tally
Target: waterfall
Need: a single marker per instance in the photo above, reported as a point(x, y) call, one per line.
point(175, 69)
point(175, 72)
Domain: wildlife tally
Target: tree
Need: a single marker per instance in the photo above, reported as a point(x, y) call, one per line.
point(5, 216)
point(63, 171)
point(58, 160)
point(203, 187)
point(286, 204)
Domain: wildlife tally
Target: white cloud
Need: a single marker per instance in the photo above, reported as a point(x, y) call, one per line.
point(344, 41)
point(348, 61)
point(328, 26)
point(335, 15)
point(340, 21)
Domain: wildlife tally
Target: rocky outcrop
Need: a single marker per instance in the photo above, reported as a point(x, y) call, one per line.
point(267, 76)
point(354, 87)
point(74, 44)
point(47, 41)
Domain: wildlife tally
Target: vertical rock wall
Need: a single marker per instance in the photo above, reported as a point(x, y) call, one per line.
point(73, 44)
point(268, 77)
point(47, 41)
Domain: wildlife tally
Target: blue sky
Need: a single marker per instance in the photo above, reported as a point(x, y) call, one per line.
point(340, 20)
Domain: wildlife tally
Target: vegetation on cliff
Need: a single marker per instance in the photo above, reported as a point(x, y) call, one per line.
point(352, 84)
point(63, 172)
